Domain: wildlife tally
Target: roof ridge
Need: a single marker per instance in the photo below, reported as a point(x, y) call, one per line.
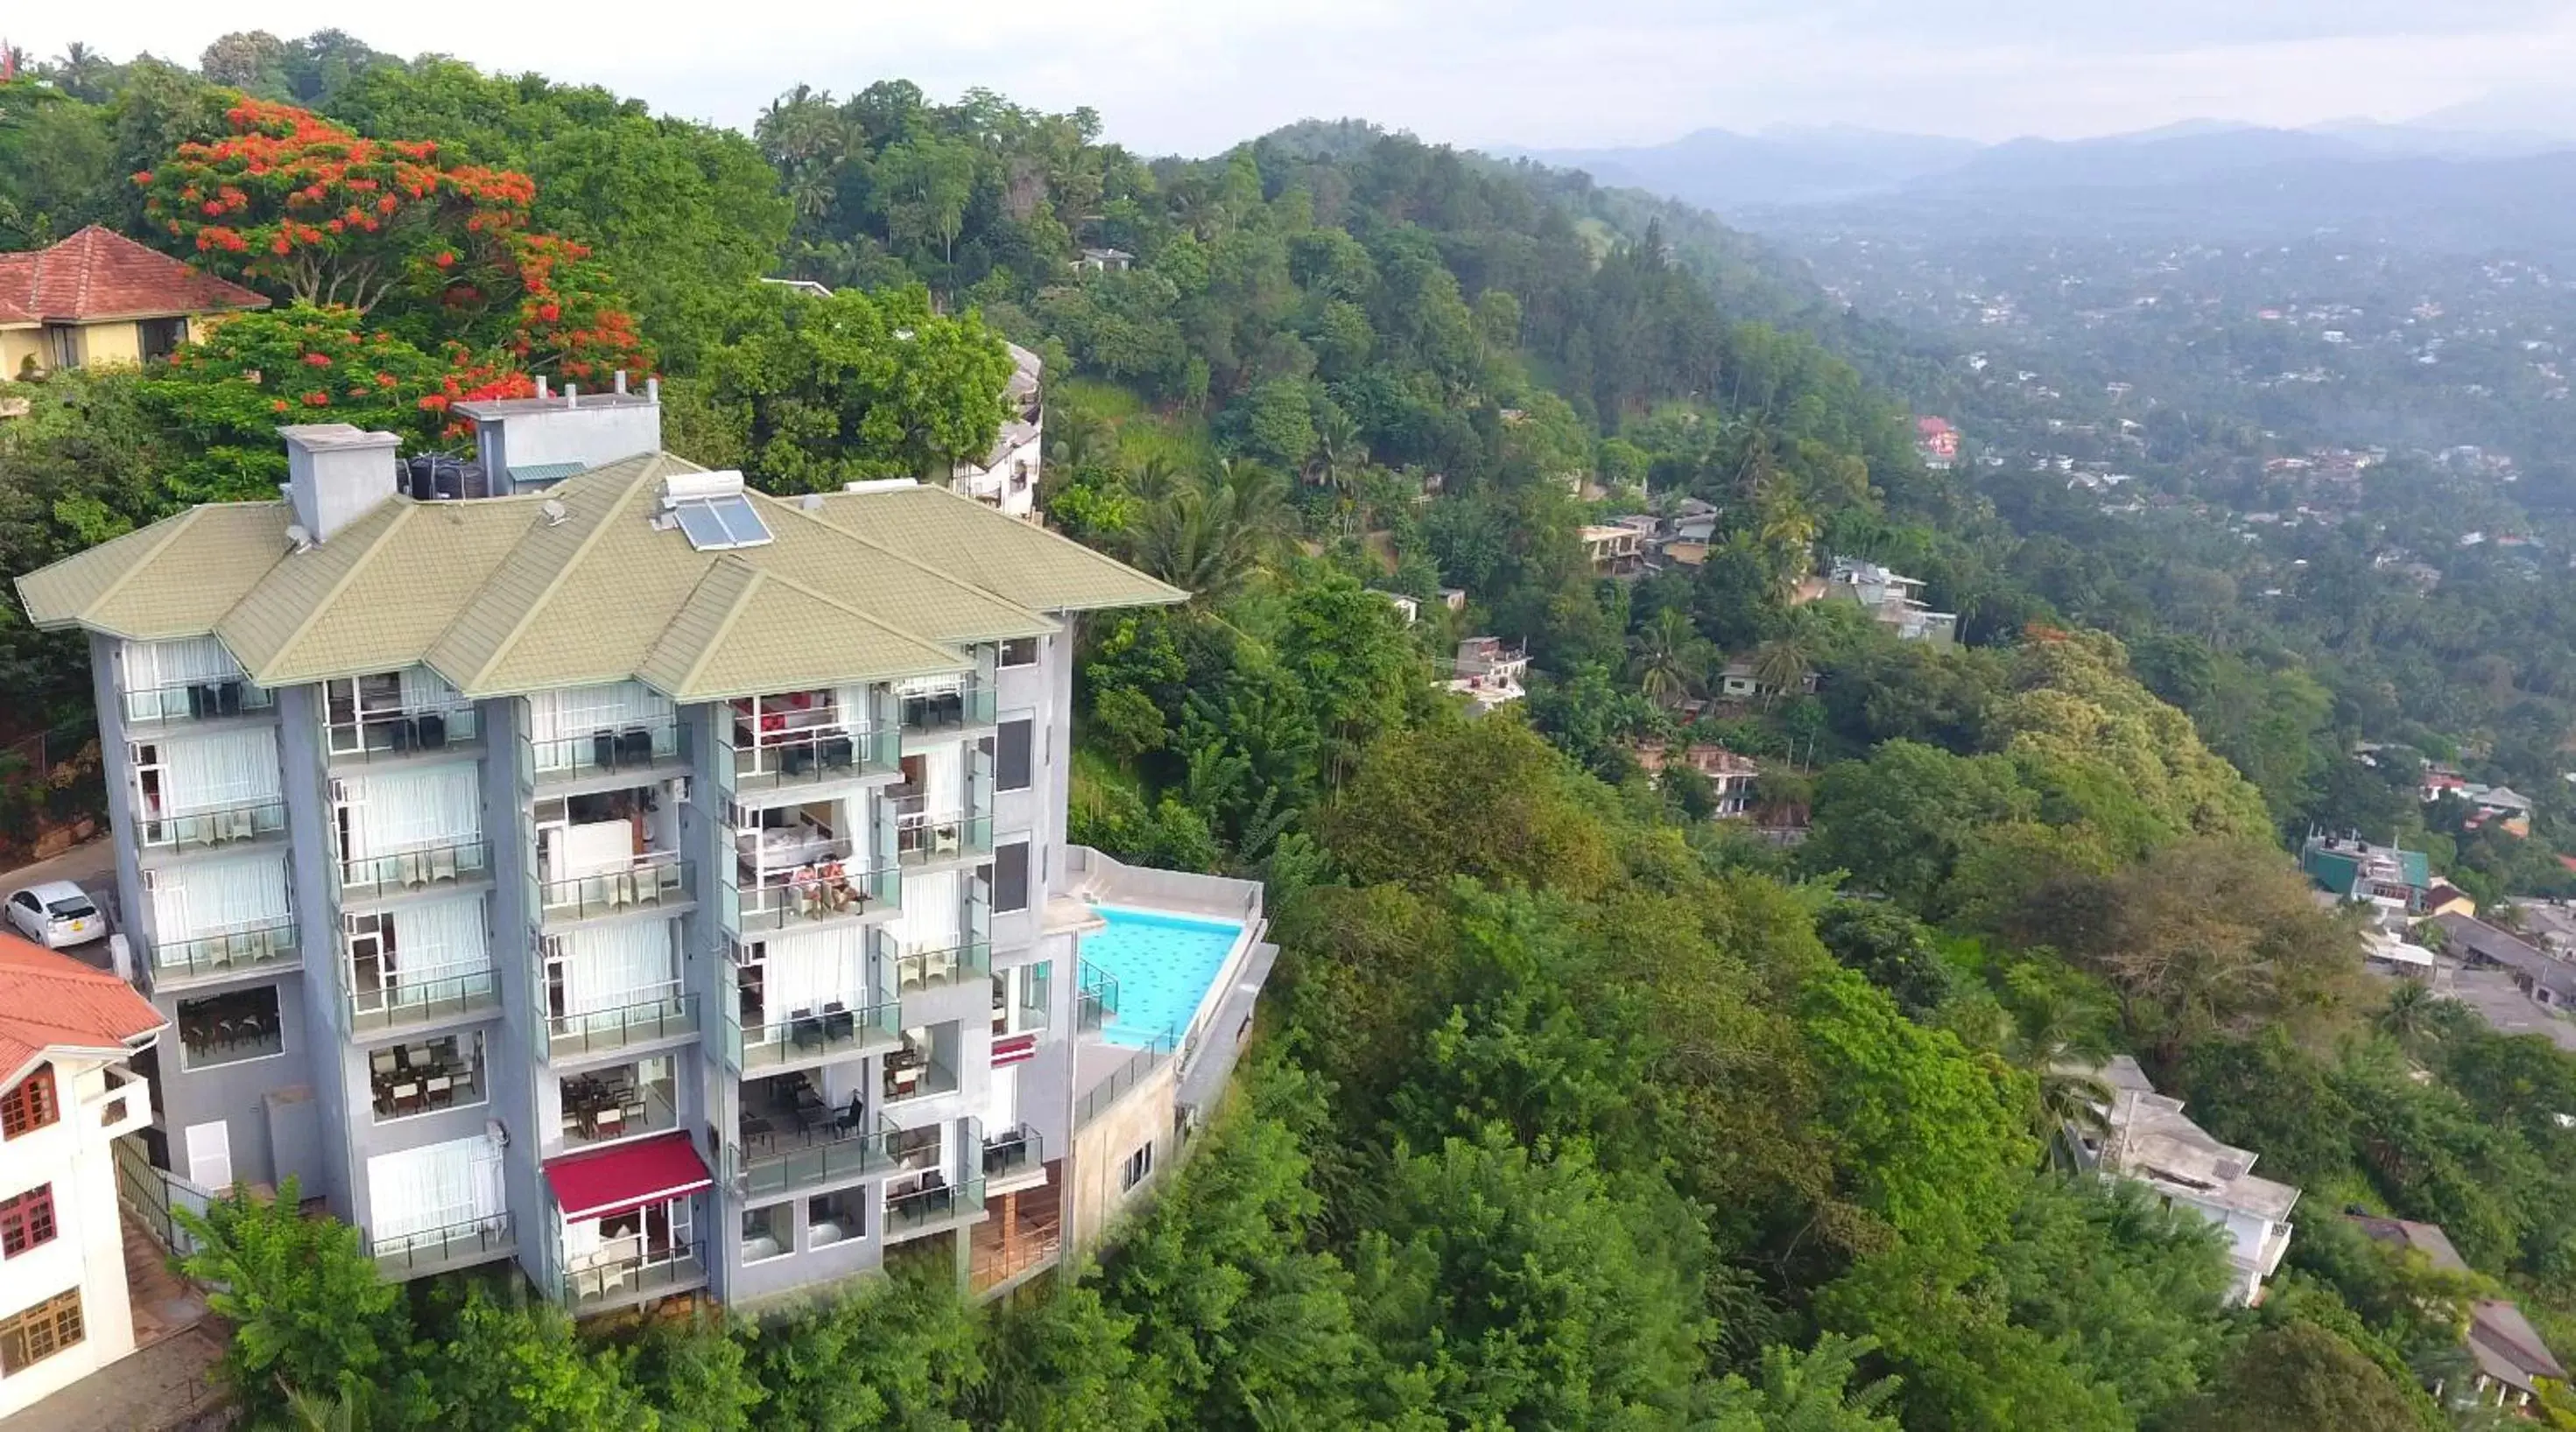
point(185, 520)
point(313, 611)
point(554, 583)
point(740, 602)
point(1048, 533)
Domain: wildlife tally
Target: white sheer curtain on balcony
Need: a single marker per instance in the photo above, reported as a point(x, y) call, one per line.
point(608, 967)
point(435, 945)
point(413, 810)
point(559, 719)
point(153, 664)
point(435, 1186)
point(809, 971)
point(217, 897)
point(929, 918)
point(218, 770)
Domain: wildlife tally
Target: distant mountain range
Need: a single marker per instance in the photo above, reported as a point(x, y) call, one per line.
point(2444, 180)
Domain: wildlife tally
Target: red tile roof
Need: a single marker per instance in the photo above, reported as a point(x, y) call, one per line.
point(98, 274)
point(51, 1001)
point(628, 1177)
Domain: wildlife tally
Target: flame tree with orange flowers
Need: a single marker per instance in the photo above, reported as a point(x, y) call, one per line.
point(295, 206)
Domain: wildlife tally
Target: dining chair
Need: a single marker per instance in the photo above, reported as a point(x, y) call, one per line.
point(608, 1121)
point(381, 1061)
point(406, 1092)
point(439, 1090)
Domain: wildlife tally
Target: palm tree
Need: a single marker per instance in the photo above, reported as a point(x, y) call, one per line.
point(1153, 480)
point(1209, 537)
point(2059, 1043)
point(1781, 664)
point(2412, 1015)
point(1663, 664)
point(1340, 453)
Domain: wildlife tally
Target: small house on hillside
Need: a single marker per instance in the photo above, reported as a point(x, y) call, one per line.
point(2350, 868)
point(2146, 1139)
point(2509, 1356)
point(1730, 776)
point(99, 297)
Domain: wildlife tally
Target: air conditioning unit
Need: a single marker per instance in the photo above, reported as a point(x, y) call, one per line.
point(339, 792)
point(679, 789)
point(151, 879)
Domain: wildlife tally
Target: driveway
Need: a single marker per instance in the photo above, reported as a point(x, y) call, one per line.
point(90, 865)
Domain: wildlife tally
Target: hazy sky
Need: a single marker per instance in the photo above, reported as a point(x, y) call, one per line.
point(1194, 76)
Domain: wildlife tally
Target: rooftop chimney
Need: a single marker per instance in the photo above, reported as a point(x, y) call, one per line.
point(336, 474)
point(621, 382)
point(541, 386)
point(572, 395)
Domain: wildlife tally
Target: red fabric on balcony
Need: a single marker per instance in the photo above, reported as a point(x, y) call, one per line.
point(627, 1177)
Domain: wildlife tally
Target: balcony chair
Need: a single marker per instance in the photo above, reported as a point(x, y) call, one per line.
point(806, 1030)
point(635, 746)
point(402, 734)
point(442, 863)
point(603, 750)
point(839, 753)
point(838, 1023)
point(431, 730)
point(239, 825)
point(796, 759)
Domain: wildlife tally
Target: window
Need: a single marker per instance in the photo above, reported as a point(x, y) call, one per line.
point(835, 1217)
point(1011, 763)
point(27, 1221)
point(158, 337)
point(1020, 651)
point(30, 1106)
point(431, 1074)
point(1139, 1164)
point(230, 1028)
point(768, 1232)
point(1011, 877)
point(30, 1337)
point(63, 345)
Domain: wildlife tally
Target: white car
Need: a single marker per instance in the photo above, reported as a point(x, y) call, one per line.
point(55, 914)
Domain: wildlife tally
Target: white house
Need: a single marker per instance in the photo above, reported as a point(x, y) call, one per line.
point(66, 1095)
point(1488, 673)
point(2148, 1141)
point(1007, 476)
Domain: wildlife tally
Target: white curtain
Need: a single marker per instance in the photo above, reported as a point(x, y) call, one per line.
point(413, 810)
point(812, 970)
point(215, 897)
point(424, 689)
point(929, 918)
point(595, 847)
point(219, 769)
point(580, 1241)
point(184, 662)
point(943, 781)
point(612, 966)
point(441, 940)
point(556, 718)
point(434, 1186)
point(926, 685)
point(1002, 1101)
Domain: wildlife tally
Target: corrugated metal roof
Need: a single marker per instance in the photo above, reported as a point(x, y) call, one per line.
point(540, 473)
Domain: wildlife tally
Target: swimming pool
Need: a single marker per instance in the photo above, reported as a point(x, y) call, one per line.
point(1163, 965)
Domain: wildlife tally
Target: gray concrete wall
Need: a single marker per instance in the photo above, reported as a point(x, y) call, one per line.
point(509, 1052)
point(309, 826)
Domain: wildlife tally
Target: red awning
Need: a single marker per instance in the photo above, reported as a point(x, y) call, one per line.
point(628, 1177)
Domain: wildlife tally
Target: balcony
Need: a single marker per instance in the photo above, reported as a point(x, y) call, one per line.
point(443, 1073)
point(215, 700)
point(927, 837)
point(232, 953)
point(808, 754)
point(669, 1015)
point(809, 1035)
point(1013, 1157)
point(784, 901)
point(438, 1250)
point(451, 728)
point(616, 1281)
point(970, 705)
point(214, 828)
point(933, 1205)
point(369, 1009)
point(789, 1146)
point(440, 865)
point(639, 1098)
point(657, 880)
point(234, 1027)
point(921, 971)
point(911, 1073)
point(641, 748)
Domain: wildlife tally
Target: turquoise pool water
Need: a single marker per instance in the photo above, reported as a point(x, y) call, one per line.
point(1163, 965)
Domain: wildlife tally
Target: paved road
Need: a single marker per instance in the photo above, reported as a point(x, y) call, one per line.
point(91, 866)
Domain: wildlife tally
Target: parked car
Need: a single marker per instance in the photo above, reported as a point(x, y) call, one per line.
point(56, 914)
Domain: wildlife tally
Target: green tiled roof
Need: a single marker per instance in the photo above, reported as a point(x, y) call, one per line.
point(581, 584)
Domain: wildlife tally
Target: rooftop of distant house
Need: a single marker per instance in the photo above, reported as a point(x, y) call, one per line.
point(2501, 1340)
point(99, 275)
point(52, 1004)
point(2150, 1139)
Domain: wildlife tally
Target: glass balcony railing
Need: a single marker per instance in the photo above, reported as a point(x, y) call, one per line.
point(783, 901)
point(196, 701)
point(923, 837)
point(657, 879)
point(644, 1021)
point(367, 1008)
point(456, 1245)
point(919, 971)
point(397, 734)
point(932, 1205)
point(1095, 997)
point(422, 867)
point(970, 705)
point(832, 1029)
point(216, 826)
point(776, 1156)
point(768, 760)
point(637, 746)
point(227, 953)
point(1013, 1153)
point(612, 1281)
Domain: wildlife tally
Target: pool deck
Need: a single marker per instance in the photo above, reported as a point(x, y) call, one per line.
point(1211, 1038)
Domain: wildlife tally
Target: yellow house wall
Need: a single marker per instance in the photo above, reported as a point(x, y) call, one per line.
point(106, 343)
point(17, 345)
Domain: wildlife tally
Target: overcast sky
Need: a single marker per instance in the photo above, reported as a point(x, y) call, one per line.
point(1194, 76)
